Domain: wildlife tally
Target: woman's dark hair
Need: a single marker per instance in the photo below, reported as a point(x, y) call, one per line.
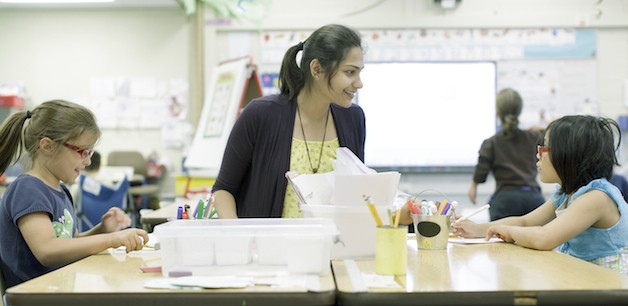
point(582, 149)
point(329, 44)
point(509, 105)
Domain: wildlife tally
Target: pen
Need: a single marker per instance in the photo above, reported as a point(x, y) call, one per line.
point(371, 206)
point(475, 212)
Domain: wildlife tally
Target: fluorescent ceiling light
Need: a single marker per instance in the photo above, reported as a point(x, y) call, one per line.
point(53, 1)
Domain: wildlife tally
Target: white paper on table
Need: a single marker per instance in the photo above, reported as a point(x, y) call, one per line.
point(311, 282)
point(463, 240)
point(350, 190)
point(373, 280)
point(211, 282)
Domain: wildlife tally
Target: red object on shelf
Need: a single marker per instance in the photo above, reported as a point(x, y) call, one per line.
point(12, 101)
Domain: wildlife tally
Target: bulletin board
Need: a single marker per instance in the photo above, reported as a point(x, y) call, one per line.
point(231, 86)
point(551, 88)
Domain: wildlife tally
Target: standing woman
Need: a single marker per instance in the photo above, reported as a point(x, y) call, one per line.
point(296, 130)
point(511, 155)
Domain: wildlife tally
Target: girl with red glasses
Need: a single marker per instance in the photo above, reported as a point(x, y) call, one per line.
point(37, 217)
point(587, 216)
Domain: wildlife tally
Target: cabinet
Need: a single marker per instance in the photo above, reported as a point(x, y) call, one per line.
point(9, 105)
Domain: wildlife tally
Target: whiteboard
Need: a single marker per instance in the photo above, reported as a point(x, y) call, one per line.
point(427, 116)
point(222, 104)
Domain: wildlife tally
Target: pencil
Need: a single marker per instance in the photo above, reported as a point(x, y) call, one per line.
point(397, 217)
point(371, 206)
point(475, 212)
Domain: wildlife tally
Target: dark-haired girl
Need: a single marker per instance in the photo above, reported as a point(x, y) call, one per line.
point(586, 217)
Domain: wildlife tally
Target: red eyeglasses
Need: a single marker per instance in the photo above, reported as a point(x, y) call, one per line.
point(542, 149)
point(85, 153)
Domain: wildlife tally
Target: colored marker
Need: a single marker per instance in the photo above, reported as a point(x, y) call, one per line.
point(410, 206)
point(213, 213)
point(180, 212)
point(441, 207)
point(199, 209)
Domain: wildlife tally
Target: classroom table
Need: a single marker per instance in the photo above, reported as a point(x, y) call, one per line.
point(115, 278)
point(149, 219)
point(484, 274)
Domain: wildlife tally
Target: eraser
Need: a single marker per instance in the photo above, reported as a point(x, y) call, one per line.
point(179, 273)
point(151, 269)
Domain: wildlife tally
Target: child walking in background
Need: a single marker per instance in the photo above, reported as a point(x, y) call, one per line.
point(37, 217)
point(509, 155)
point(586, 217)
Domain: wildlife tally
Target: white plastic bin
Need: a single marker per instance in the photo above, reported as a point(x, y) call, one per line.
point(244, 246)
point(355, 224)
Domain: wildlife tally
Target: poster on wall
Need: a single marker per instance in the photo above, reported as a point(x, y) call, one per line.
point(219, 107)
point(232, 84)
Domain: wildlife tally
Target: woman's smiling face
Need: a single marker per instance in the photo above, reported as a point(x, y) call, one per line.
point(346, 81)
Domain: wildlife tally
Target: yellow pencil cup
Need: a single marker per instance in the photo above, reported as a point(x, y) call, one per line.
point(391, 252)
point(432, 232)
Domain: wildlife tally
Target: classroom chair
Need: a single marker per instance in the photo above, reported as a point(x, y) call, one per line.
point(142, 189)
point(94, 199)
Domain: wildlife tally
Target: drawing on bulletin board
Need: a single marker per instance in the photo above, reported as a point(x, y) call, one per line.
point(232, 85)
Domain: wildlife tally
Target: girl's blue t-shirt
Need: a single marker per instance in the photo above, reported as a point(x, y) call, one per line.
point(28, 194)
point(597, 242)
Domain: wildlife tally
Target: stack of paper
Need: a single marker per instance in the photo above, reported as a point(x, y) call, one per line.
point(347, 185)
